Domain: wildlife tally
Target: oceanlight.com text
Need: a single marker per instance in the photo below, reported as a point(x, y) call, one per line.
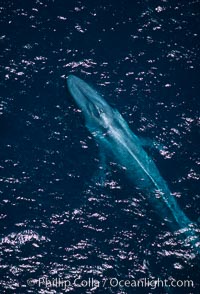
point(92, 283)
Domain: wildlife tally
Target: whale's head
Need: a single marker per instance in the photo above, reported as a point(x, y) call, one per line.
point(97, 113)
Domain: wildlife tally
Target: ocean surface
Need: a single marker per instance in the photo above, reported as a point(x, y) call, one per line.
point(58, 223)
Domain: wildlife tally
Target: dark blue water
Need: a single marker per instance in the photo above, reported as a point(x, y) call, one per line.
point(56, 221)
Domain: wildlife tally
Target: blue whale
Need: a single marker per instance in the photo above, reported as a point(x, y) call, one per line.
point(115, 138)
